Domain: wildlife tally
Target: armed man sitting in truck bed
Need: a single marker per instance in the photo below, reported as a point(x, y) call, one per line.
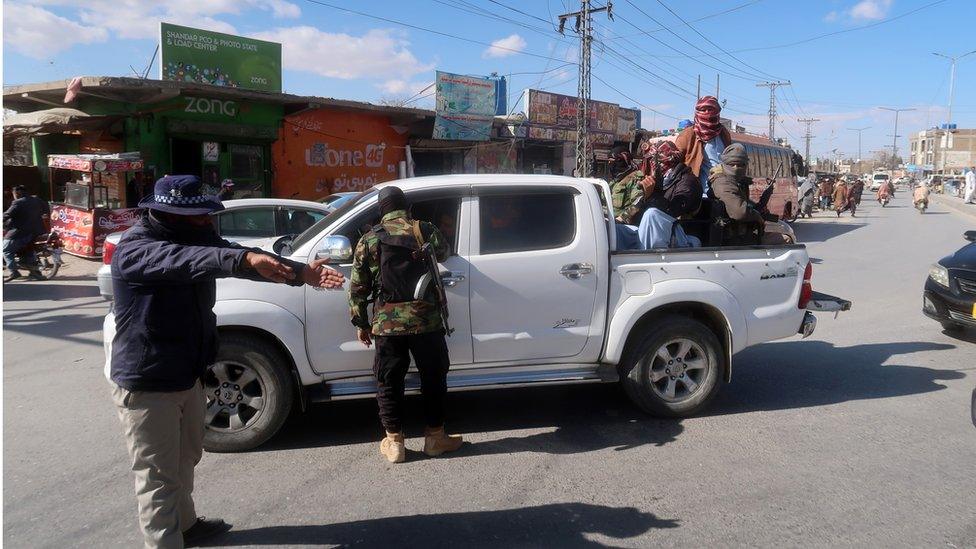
point(742, 220)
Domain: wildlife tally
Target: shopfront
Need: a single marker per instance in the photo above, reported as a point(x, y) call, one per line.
point(213, 138)
point(325, 151)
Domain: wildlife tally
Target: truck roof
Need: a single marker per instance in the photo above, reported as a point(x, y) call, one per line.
point(484, 179)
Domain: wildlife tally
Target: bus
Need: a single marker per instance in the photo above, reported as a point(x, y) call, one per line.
point(767, 160)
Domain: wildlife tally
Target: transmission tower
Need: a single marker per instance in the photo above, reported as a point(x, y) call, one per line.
point(584, 27)
point(772, 104)
point(807, 137)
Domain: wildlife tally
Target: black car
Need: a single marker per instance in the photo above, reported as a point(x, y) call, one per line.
point(950, 290)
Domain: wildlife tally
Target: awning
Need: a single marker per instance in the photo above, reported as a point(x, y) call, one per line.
point(54, 120)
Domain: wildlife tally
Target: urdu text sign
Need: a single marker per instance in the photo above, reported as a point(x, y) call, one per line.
point(465, 107)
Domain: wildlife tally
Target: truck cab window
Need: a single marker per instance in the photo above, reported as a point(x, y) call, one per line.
point(443, 213)
point(517, 223)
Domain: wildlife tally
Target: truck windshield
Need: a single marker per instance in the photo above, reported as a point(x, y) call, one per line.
point(315, 229)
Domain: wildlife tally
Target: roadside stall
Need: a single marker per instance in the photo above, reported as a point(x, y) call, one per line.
point(89, 193)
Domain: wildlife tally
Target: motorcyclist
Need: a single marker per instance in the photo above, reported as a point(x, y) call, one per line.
point(23, 222)
point(887, 190)
point(921, 195)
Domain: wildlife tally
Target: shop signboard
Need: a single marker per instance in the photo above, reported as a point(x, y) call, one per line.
point(322, 152)
point(465, 107)
point(218, 59)
point(628, 120)
point(556, 112)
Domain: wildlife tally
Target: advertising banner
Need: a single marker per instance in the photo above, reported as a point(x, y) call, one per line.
point(465, 107)
point(76, 228)
point(552, 116)
point(218, 59)
point(312, 161)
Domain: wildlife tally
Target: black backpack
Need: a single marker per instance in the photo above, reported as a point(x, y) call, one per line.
point(402, 268)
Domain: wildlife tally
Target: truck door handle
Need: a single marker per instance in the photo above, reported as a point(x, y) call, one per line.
point(451, 279)
point(575, 271)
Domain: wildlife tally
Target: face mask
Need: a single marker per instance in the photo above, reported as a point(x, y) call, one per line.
point(183, 233)
point(735, 171)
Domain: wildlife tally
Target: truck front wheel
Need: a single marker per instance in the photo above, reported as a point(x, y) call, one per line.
point(675, 367)
point(249, 394)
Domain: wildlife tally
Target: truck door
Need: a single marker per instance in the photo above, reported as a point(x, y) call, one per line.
point(533, 273)
point(330, 337)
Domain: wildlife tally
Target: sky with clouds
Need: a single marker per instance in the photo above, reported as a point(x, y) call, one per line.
point(876, 52)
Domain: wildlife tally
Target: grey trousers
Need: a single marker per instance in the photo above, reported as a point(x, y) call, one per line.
point(164, 436)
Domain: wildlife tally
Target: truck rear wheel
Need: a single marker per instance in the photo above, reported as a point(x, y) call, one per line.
point(675, 367)
point(249, 394)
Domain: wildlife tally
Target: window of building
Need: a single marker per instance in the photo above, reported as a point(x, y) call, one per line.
point(246, 162)
point(524, 222)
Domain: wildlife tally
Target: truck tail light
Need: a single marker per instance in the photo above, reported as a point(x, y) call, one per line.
point(107, 251)
point(806, 291)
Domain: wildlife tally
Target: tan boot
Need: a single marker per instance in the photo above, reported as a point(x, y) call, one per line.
point(436, 442)
point(393, 448)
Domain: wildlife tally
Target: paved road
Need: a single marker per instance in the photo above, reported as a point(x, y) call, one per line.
point(859, 435)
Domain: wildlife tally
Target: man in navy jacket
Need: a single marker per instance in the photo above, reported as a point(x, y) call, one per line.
point(164, 275)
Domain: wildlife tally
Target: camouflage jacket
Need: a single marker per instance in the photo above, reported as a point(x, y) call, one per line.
point(627, 196)
point(411, 317)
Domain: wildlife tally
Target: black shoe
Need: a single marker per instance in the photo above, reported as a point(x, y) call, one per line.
point(204, 529)
point(35, 275)
point(12, 276)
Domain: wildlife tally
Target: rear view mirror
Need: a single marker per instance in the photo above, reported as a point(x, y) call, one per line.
point(335, 248)
point(970, 236)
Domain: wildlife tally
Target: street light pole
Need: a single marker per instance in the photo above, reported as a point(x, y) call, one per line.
point(894, 138)
point(859, 130)
point(952, 76)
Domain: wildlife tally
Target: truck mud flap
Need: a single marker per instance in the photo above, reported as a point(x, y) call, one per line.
point(825, 303)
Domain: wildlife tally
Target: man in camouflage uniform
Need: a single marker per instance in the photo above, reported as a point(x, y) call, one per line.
point(402, 328)
point(625, 187)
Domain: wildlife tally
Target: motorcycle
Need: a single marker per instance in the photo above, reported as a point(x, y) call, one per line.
point(46, 252)
point(921, 206)
point(884, 200)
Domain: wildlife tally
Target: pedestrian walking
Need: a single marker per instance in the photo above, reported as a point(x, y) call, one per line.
point(387, 271)
point(840, 197)
point(163, 274)
point(970, 185)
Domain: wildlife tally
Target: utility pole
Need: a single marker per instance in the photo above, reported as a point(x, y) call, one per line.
point(894, 136)
point(772, 104)
point(584, 27)
point(952, 76)
point(807, 137)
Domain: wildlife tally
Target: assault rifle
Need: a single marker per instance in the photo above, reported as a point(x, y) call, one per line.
point(433, 275)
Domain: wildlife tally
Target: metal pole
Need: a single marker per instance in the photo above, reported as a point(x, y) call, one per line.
point(894, 143)
point(584, 28)
point(772, 104)
point(808, 136)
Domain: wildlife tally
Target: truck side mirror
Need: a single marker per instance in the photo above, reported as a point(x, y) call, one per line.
point(970, 236)
point(335, 248)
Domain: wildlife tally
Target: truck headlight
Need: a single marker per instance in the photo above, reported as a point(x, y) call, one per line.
point(939, 275)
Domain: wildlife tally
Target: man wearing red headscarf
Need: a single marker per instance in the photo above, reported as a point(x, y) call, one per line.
point(703, 142)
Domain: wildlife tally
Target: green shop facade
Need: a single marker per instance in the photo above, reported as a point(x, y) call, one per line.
point(178, 128)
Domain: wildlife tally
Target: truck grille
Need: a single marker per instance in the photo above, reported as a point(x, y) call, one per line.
point(967, 285)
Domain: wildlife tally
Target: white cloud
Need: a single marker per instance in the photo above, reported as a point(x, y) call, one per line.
point(870, 9)
point(29, 29)
point(377, 54)
point(405, 87)
point(831, 17)
point(504, 47)
point(139, 19)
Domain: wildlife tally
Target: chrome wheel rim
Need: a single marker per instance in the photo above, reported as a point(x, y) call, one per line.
point(678, 369)
point(235, 396)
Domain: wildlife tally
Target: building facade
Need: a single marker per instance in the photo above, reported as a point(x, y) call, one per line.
point(942, 151)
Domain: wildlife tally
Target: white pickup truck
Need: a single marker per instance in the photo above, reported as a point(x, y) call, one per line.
point(537, 293)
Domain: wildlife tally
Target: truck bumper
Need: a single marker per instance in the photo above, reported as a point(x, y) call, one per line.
point(808, 325)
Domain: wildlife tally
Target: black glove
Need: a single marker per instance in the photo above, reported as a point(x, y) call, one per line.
point(770, 217)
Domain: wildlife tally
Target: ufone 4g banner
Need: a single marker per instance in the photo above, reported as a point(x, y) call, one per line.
point(218, 59)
